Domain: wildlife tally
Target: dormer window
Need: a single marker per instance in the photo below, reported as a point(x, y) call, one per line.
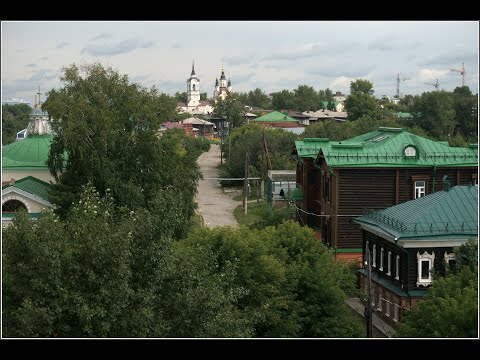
point(410, 151)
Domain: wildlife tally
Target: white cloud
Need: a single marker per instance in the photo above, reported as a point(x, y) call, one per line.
point(432, 74)
point(341, 83)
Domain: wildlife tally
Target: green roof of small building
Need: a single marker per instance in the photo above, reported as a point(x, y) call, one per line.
point(309, 147)
point(385, 147)
point(32, 186)
point(275, 116)
point(440, 215)
point(30, 153)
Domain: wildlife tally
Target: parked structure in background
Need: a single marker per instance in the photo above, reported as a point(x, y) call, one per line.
point(413, 242)
point(342, 179)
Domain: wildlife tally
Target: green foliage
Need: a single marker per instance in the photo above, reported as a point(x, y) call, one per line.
point(249, 137)
point(256, 98)
point(108, 128)
point(306, 98)
point(181, 97)
point(450, 309)
point(14, 119)
point(273, 216)
point(433, 111)
point(467, 254)
point(465, 105)
point(106, 271)
point(203, 96)
point(361, 86)
point(231, 109)
point(291, 285)
point(284, 99)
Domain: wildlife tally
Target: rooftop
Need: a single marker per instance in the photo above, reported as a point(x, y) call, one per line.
point(275, 116)
point(442, 214)
point(387, 147)
point(33, 186)
point(30, 153)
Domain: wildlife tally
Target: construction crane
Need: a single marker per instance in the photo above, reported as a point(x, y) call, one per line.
point(398, 84)
point(435, 84)
point(462, 72)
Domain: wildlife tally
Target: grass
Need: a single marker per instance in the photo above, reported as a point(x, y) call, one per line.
point(254, 212)
point(239, 197)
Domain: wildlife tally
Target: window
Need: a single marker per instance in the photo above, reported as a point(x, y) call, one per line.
point(475, 179)
point(389, 263)
point(374, 256)
point(387, 304)
point(425, 265)
point(420, 186)
point(395, 309)
point(193, 87)
point(13, 206)
point(381, 260)
point(419, 189)
point(450, 261)
point(397, 268)
point(410, 151)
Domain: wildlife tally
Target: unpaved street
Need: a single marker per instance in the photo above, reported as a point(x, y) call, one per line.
point(214, 206)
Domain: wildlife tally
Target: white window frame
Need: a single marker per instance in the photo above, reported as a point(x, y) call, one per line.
point(448, 258)
point(395, 309)
point(389, 263)
point(381, 259)
point(397, 267)
point(365, 260)
point(420, 259)
point(410, 151)
point(374, 296)
point(374, 256)
point(387, 304)
point(420, 191)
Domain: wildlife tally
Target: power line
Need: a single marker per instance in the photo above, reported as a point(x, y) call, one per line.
point(310, 213)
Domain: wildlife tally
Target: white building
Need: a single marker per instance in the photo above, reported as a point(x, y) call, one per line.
point(223, 87)
point(194, 105)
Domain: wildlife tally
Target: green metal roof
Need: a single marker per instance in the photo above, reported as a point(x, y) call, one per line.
point(33, 186)
point(30, 153)
point(275, 116)
point(385, 147)
point(309, 147)
point(439, 215)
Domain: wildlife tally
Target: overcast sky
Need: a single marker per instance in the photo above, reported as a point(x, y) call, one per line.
point(271, 55)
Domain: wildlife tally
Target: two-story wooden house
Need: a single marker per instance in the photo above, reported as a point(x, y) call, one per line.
point(412, 242)
point(370, 172)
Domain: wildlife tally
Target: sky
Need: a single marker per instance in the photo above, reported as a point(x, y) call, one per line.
point(270, 55)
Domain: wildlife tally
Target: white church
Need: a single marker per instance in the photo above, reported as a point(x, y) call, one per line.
point(194, 105)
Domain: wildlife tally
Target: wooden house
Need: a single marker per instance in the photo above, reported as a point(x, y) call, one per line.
point(412, 243)
point(372, 171)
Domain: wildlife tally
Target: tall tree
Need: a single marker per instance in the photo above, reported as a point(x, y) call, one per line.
point(203, 96)
point(284, 99)
point(107, 127)
point(465, 105)
point(181, 96)
point(258, 98)
point(231, 109)
point(361, 101)
point(306, 98)
point(434, 112)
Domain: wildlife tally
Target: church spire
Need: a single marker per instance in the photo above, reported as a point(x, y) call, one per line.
point(222, 77)
point(193, 68)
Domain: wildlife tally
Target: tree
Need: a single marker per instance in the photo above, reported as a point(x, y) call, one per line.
point(106, 271)
point(203, 96)
point(14, 119)
point(433, 111)
point(181, 97)
point(258, 98)
point(294, 288)
point(450, 309)
point(465, 105)
point(306, 98)
point(361, 102)
point(284, 99)
point(361, 86)
point(108, 129)
point(231, 109)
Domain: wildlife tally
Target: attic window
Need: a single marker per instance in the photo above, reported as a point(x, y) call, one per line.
point(380, 138)
point(410, 151)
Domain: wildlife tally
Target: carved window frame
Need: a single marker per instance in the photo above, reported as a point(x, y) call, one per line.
point(430, 258)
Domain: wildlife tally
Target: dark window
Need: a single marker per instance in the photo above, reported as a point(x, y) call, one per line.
point(425, 269)
point(452, 264)
point(13, 206)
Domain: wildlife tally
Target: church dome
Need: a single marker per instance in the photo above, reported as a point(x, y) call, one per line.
point(30, 153)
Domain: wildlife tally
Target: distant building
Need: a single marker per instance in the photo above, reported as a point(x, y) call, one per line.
point(15, 101)
point(222, 88)
point(194, 105)
point(339, 97)
point(276, 119)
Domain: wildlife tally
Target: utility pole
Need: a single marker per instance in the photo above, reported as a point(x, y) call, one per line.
point(245, 184)
point(368, 306)
point(221, 143)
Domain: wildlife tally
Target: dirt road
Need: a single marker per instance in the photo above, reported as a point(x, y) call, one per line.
point(214, 206)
